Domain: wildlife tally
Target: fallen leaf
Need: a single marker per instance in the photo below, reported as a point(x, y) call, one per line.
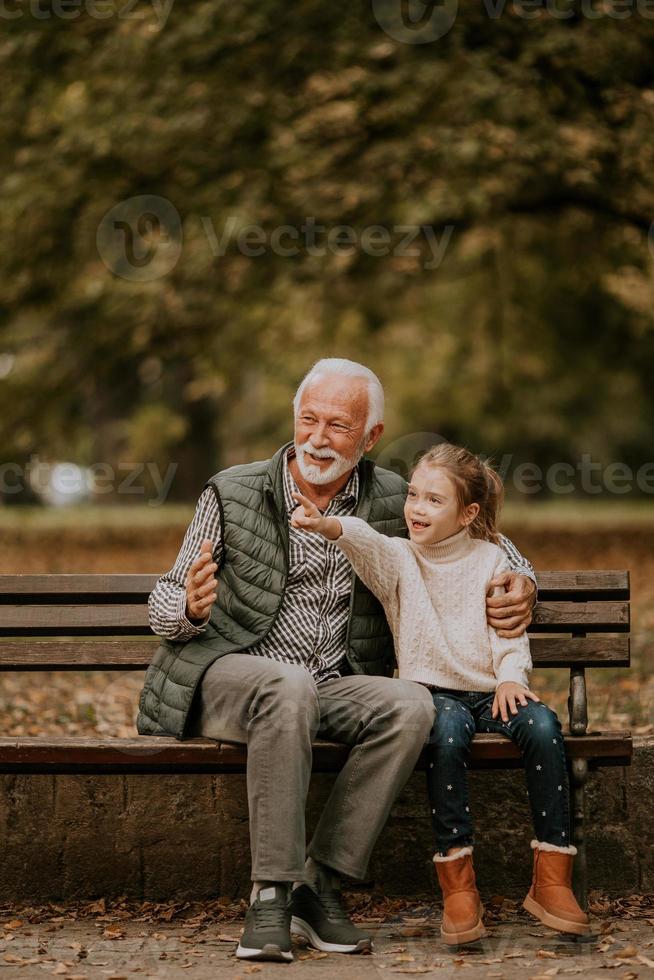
point(626, 953)
point(98, 906)
point(412, 969)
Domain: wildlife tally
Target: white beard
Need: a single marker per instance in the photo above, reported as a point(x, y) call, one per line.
point(314, 474)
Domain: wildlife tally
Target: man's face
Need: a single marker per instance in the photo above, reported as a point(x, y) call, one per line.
point(330, 428)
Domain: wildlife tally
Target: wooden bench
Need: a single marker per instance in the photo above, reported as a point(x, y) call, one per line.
point(100, 622)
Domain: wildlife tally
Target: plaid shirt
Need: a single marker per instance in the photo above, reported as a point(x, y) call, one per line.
point(311, 626)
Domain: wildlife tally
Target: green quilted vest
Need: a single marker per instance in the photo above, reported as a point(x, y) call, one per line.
point(252, 583)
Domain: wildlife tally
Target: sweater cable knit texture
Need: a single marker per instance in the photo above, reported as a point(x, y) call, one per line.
point(434, 597)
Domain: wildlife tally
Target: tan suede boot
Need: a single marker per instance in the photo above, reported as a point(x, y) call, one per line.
point(550, 897)
point(462, 909)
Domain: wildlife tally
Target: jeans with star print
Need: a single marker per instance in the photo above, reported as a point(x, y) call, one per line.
point(535, 729)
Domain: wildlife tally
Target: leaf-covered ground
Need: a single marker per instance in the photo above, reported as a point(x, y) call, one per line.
point(122, 938)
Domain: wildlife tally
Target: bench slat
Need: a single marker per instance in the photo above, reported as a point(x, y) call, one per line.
point(136, 654)
point(588, 651)
point(108, 588)
point(591, 584)
point(77, 654)
point(104, 619)
point(46, 754)
point(92, 619)
point(586, 616)
point(602, 584)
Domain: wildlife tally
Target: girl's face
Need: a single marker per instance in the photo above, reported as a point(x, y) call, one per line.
point(432, 509)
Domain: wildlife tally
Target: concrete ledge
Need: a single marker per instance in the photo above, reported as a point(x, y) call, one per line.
point(186, 837)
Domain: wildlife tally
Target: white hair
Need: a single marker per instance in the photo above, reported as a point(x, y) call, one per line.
point(347, 369)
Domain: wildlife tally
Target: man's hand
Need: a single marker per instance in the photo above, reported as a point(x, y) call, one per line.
point(200, 583)
point(510, 614)
point(508, 692)
point(308, 518)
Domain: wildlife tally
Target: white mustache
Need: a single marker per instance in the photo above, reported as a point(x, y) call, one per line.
point(319, 453)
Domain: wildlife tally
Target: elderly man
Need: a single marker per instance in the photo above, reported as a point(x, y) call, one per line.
point(291, 646)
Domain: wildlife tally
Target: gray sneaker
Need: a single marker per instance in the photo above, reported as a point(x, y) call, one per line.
point(267, 934)
point(324, 923)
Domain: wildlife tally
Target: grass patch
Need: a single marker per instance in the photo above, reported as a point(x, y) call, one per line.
point(575, 514)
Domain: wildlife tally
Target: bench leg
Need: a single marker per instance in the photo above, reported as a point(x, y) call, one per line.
point(578, 809)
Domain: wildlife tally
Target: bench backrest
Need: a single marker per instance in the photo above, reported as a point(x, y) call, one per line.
point(100, 622)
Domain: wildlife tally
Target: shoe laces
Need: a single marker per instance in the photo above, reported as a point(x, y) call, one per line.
point(332, 902)
point(268, 915)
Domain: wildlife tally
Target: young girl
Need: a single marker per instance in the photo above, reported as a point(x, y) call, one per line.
point(433, 588)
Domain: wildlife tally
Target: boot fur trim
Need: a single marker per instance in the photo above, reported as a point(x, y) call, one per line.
point(439, 859)
point(544, 846)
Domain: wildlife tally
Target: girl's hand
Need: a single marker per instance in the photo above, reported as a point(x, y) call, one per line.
point(307, 515)
point(308, 518)
point(508, 693)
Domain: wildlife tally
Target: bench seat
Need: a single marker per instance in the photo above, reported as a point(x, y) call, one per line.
point(158, 753)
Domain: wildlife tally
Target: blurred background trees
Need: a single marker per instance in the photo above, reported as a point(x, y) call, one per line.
point(529, 139)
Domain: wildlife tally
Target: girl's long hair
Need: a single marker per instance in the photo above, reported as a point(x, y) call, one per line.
point(476, 482)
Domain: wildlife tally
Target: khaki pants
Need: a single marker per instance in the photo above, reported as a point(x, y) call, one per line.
point(277, 710)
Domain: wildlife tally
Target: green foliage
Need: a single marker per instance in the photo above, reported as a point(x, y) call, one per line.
point(531, 138)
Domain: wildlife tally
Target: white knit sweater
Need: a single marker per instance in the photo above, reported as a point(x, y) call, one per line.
point(434, 597)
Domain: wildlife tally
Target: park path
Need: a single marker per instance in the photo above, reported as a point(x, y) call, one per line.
point(111, 947)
